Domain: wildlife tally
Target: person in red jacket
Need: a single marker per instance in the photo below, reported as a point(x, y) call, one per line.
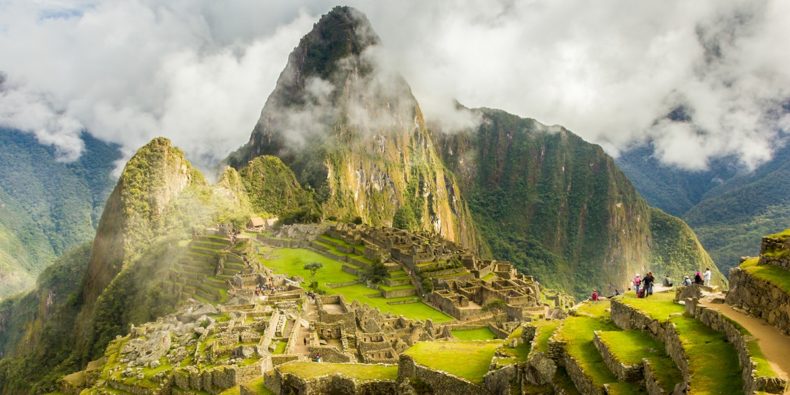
point(594, 296)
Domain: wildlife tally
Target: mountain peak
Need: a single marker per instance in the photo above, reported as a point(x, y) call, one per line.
point(342, 32)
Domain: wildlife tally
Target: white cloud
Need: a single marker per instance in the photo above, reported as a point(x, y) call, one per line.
point(199, 71)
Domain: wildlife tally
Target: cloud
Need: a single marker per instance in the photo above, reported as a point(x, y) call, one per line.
point(199, 71)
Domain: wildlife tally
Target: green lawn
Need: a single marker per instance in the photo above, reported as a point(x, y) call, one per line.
point(291, 261)
point(629, 347)
point(659, 306)
point(546, 329)
point(357, 371)
point(279, 347)
point(770, 273)
point(466, 359)
point(473, 334)
point(713, 362)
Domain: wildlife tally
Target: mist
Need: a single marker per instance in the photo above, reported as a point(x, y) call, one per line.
point(199, 72)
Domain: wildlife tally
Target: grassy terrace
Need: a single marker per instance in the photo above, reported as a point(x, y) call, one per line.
point(473, 334)
point(770, 273)
point(629, 347)
point(357, 371)
point(291, 261)
point(713, 363)
point(466, 359)
point(546, 328)
point(577, 331)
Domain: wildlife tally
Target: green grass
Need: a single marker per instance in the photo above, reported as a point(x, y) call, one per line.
point(629, 347)
point(258, 386)
point(713, 362)
point(659, 306)
point(546, 329)
point(473, 334)
point(279, 347)
point(357, 371)
point(291, 261)
point(577, 332)
point(784, 233)
point(773, 274)
point(466, 359)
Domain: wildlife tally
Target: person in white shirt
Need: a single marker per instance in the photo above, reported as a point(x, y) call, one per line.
point(706, 277)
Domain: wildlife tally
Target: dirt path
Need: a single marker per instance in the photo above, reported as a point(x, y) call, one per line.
point(774, 344)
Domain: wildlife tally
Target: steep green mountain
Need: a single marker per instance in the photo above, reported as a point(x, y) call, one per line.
point(354, 134)
point(273, 189)
point(560, 208)
point(726, 206)
point(669, 188)
point(98, 291)
point(47, 206)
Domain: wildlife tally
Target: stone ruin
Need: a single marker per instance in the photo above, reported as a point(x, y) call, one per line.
point(460, 284)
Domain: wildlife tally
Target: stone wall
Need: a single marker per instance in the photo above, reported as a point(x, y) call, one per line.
point(736, 337)
point(760, 299)
point(440, 382)
point(626, 317)
point(329, 354)
point(329, 384)
point(582, 382)
point(622, 371)
point(399, 293)
point(213, 380)
point(501, 380)
point(775, 251)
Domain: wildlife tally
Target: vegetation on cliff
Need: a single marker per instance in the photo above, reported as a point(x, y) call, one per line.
point(47, 206)
point(272, 188)
point(560, 209)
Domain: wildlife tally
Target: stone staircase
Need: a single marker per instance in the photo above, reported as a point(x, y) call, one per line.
point(204, 271)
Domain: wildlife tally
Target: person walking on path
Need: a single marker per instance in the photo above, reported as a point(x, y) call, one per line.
point(594, 296)
point(637, 283)
point(707, 276)
point(648, 283)
point(698, 278)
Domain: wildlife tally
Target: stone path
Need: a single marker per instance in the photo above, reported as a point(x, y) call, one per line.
point(774, 344)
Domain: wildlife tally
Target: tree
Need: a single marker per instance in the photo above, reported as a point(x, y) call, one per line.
point(313, 267)
point(377, 272)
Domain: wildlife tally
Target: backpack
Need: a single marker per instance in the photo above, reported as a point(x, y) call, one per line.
point(641, 293)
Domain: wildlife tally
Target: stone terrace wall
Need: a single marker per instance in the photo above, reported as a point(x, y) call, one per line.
point(329, 384)
point(760, 299)
point(622, 371)
point(732, 331)
point(440, 382)
point(775, 251)
point(627, 317)
point(582, 382)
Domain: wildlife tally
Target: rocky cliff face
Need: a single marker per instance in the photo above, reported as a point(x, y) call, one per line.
point(560, 208)
point(354, 133)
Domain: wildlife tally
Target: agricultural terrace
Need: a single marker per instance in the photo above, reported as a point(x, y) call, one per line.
point(291, 261)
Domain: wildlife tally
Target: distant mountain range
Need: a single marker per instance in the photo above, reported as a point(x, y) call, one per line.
point(727, 206)
point(47, 206)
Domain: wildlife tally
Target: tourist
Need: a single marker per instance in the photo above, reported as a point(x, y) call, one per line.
point(698, 278)
point(594, 296)
point(637, 283)
point(707, 277)
point(648, 284)
point(667, 281)
point(686, 281)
